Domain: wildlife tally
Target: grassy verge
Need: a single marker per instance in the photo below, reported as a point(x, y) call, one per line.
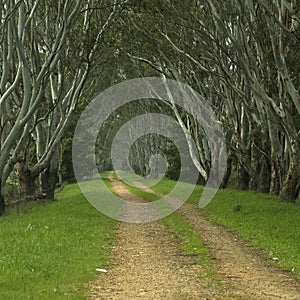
point(259, 219)
point(191, 244)
point(264, 222)
point(51, 250)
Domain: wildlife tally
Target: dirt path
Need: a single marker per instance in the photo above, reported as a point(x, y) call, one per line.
point(249, 275)
point(147, 264)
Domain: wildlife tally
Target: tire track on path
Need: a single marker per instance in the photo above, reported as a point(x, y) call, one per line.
point(239, 265)
point(147, 263)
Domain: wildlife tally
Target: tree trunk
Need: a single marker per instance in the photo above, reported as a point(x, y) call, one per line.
point(227, 174)
point(255, 157)
point(243, 178)
point(290, 189)
point(275, 183)
point(2, 203)
point(49, 177)
point(264, 176)
point(26, 181)
point(59, 164)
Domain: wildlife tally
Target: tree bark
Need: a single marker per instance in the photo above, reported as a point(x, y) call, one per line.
point(243, 178)
point(264, 176)
point(227, 174)
point(275, 183)
point(26, 181)
point(2, 203)
point(290, 189)
point(49, 177)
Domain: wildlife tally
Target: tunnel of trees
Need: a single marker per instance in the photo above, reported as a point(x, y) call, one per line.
point(241, 56)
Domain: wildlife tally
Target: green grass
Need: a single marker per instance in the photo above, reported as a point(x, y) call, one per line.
point(264, 222)
point(104, 177)
point(51, 250)
point(260, 219)
point(191, 244)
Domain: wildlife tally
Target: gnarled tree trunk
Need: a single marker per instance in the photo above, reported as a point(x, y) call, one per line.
point(26, 181)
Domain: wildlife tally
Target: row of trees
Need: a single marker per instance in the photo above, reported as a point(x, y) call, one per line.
point(242, 56)
point(49, 49)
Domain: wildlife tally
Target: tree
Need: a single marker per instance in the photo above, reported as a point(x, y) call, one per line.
point(43, 75)
point(238, 54)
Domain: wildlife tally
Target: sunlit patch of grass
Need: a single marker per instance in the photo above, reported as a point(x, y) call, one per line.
point(51, 251)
